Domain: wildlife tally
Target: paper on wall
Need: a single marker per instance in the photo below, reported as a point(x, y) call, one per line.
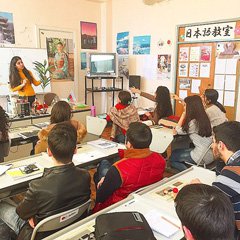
point(183, 54)
point(194, 70)
point(183, 70)
point(220, 66)
point(194, 54)
point(183, 94)
point(195, 85)
point(229, 98)
point(230, 82)
point(231, 66)
point(205, 70)
point(219, 82)
point(220, 96)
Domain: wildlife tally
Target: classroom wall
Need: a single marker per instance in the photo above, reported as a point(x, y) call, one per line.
point(61, 14)
point(160, 21)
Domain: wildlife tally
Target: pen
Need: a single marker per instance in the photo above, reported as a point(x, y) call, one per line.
point(175, 225)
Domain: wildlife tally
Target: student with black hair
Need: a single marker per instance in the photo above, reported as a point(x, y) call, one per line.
point(194, 122)
point(162, 98)
point(122, 114)
point(205, 213)
point(137, 168)
point(60, 188)
point(4, 137)
point(215, 110)
point(21, 80)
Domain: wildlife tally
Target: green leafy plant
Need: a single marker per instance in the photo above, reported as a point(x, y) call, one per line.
point(44, 72)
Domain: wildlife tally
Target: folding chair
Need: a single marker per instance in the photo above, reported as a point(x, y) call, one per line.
point(61, 220)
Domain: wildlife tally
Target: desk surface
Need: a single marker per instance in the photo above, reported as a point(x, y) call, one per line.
point(143, 202)
point(86, 155)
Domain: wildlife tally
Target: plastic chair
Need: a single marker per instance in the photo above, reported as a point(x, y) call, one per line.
point(61, 220)
point(49, 97)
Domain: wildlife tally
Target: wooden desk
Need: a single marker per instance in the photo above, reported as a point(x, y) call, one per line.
point(143, 202)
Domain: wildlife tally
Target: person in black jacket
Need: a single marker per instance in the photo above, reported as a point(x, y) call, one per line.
point(61, 187)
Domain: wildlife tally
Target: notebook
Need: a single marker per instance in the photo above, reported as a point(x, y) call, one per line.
point(26, 135)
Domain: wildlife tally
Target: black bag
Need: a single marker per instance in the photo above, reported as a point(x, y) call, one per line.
point(122, 226)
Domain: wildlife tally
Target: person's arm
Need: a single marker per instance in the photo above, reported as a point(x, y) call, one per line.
point(110, 184)
point(143, 94)
point(19, 87)
point(34, 81)
point(28, 207)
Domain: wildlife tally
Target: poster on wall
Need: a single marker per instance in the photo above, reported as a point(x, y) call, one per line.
point(183, 70)
point(194, 54)
point(88, 35)
point(194, 70)
point(123, 67)
point(205, 70)
point(141, 45)
point(6, 28)
point(205, 53)
point(61, 58)
point(83, 60)
point(164, 66)
point(184, 83)
point(183, 54)
point(123, 43)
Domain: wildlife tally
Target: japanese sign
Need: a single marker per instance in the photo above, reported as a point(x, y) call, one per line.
point(210, 32)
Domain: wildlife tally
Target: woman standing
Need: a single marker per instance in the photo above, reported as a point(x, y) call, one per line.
point(21, 80)
point(163, 103)
point(194, 122)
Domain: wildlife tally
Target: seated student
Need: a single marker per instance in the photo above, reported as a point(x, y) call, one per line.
point(137, 168)
point(122, 115)
point(4, 138)
point(61, 187)
point(215, 110)
point(205, 213)
point(194, 122)
point(61, 112)
point(163, 103)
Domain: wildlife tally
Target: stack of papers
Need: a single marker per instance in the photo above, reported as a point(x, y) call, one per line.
point(162, 224)
point(104, 144)
point(4, 168)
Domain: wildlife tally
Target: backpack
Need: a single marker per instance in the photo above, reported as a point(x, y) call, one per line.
point(122, 226)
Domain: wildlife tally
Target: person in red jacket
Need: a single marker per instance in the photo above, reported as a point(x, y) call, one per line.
point(137, 168)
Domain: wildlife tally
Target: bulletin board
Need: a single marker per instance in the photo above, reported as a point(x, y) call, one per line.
point(208, 57)
point(28, 55)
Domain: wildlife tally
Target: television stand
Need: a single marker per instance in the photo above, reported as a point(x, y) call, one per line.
point(93, 89)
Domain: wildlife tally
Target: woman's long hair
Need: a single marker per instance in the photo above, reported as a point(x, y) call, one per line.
point(14, 77)
point(212, 96)
point(195, 111)
point(4, 126)
point(164, 106)
point(61, 112)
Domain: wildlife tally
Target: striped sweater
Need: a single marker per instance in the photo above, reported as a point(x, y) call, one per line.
point(229, 183)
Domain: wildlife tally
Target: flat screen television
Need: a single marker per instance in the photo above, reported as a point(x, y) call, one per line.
point(102, 64)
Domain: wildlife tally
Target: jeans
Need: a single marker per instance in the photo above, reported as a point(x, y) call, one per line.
point(102, 170)
point(9, 216)
point(120, 138)
point(179, 157)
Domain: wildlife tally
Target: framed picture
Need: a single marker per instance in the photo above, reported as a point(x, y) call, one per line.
point(88, 35)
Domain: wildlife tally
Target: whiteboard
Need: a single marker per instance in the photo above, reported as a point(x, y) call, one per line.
point(28, 55)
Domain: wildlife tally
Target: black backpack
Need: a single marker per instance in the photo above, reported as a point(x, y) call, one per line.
point(122, 226)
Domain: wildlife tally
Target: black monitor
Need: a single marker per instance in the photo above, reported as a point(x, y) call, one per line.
point(134, 81)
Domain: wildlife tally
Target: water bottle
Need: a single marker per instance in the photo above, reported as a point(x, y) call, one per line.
point(93, 111)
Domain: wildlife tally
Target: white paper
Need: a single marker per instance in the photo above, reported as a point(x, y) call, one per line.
point(161, 224)
point(195, 85)
point(194, 54)
point(87, 157)
point(229, 98)
point(104, 144)
point(4, 168)
point(205, 70)
point(194, 70)
point(230, 82)
point(220, 96)
point(183, 54)
point(183, 70)
point(183, 94)
point(220, 66)
point(219, 82)
point(231, 66)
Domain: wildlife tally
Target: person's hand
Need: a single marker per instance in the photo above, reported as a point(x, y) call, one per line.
point(135, 90)
point(100, 182)
point(195, 181)
point(148, 114)
point(31, 222)
point(174, 132)
point(24, 82)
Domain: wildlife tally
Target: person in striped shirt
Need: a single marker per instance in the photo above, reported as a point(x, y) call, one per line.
point(226, 146)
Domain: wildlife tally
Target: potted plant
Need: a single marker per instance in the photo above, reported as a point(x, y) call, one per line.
point(44, 72)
